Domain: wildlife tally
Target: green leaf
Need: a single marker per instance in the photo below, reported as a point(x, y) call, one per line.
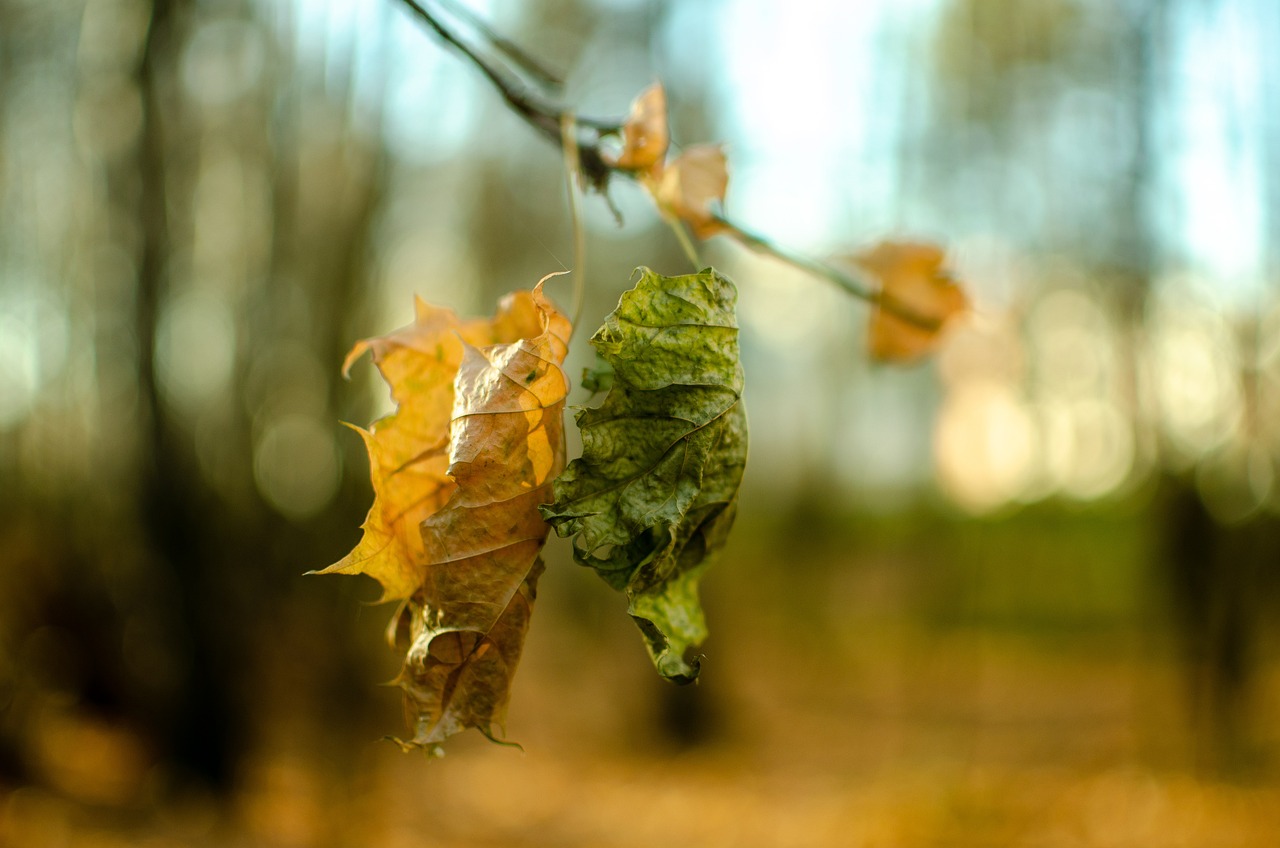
point(654, 493)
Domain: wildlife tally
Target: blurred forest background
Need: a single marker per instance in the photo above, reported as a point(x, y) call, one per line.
point(1025, 594)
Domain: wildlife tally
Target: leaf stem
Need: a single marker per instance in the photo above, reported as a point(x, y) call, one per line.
point(572, 168)
point(686, 244)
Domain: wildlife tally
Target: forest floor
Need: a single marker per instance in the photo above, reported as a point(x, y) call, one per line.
point(873, 702)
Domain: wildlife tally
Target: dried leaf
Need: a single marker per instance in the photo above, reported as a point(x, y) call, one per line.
point(468, 622)
point(645, 136)
point(476, 560)
point(654, 493)
point(408, 450)
point(692, 186)
point(912, 277)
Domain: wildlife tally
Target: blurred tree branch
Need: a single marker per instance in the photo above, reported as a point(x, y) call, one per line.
point(531, 96)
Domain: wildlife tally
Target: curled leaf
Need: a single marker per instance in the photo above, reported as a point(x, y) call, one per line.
point(913, 280)
point(645, 136)
point(653, 496)
point(692, 186)
point(408, 450)
point(476, 561)
point(468, 621)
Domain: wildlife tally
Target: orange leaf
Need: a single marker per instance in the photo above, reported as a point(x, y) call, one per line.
point(913, 280)
point(458, 472)
point(408, 449)
point(645, 136)
point(692, 185)
point(468, 621)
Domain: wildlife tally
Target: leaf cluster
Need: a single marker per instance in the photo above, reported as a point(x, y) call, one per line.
point(469, 473)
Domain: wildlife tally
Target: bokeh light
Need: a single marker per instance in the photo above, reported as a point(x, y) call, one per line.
point(296, 464)
point(195, 349)
point(985, 444)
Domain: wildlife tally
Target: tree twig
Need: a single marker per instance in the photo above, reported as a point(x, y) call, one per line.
point(560, 126)
point(855, 285)
point(538, 111)
point(514, 53)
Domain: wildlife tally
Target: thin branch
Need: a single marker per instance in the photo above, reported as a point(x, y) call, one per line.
point(538, 111)
point(858, 286)
point(514, 53)
point(559, 125)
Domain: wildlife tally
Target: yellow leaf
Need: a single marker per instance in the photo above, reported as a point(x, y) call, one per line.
point(691, 187)
point(468, 620)
point(912, 280)
point(645, 136)
point(408, 449)
point(458, 472)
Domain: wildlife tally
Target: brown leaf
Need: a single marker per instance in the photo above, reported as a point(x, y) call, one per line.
point(459, 471)
point(408, 449)
point(645, 136)
point(913, 280)
point(468, 620)
point(692, 185)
